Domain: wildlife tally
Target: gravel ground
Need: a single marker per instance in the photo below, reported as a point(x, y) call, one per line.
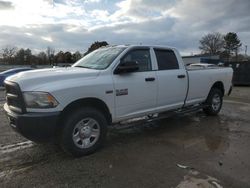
point(240, 94)
point(183, 151)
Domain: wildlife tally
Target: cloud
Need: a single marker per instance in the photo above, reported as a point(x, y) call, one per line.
point(92, 1)
point(74, 25)
point(5, 5)
point(40, 36)
point(47, 38)
point(101, 15)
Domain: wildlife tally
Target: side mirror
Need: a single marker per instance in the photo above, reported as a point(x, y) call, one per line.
point(126, 67)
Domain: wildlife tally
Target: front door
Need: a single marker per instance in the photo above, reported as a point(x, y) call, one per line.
point(135, 93)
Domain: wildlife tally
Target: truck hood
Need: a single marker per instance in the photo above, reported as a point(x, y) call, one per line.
point(35, 79)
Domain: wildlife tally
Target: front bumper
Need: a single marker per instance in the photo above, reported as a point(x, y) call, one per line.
point(33, 126)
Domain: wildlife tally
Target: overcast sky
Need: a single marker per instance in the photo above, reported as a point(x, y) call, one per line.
point(74, 24)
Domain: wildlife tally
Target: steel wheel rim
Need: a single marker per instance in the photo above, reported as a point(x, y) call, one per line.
point(216, 102)
point(86, 133)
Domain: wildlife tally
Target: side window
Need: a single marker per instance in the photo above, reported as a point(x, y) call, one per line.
point(142, 57)
point(166, 59)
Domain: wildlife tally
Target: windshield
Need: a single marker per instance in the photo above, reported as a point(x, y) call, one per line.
point(99, 59)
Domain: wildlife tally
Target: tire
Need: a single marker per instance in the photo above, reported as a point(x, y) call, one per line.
point(84, 132)
point(214, 102)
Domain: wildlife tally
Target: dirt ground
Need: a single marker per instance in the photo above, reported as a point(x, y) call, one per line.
point(191, 150)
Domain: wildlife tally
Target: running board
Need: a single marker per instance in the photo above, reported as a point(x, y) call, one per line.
point(190, 109)
point(158, 116)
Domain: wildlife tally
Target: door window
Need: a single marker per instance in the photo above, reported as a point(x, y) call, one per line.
point(142, 57)
point(166, 59)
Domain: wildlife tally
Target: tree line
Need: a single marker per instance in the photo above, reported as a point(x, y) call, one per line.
point(13, 55)
point(227, 46)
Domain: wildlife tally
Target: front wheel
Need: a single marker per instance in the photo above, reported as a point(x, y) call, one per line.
point(84, 132)
point(214, 102)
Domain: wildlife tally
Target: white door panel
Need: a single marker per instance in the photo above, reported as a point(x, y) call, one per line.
point(137, 91)
point(172, 80)
point(140, 95)
point(172, 90)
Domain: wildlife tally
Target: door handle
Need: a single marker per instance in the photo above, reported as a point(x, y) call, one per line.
point(181, 76)
point(150, 79)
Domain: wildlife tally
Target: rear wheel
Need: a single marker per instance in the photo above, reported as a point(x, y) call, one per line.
point(214, 102)
point(84, 132)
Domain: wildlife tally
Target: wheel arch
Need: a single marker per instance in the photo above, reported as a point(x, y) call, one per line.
point(88, 102)
point(219, 85)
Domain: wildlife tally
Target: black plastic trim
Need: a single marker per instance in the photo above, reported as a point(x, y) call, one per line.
point(18, 97)
point(35, 126)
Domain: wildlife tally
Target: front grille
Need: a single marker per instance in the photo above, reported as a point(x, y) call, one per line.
point(14, 97)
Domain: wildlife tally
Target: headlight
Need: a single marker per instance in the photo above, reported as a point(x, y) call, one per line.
point(39, 100)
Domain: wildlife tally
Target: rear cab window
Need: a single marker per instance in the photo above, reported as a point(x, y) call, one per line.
point(166, 59)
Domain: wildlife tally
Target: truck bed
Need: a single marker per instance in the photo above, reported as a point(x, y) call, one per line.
point(201, 78)
point(202, 66)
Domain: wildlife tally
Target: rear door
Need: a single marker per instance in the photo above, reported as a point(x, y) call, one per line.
point(172, 80)
point(135, 93)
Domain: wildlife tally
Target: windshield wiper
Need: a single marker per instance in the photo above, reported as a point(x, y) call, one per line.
point(86, 67)
point(82, 66)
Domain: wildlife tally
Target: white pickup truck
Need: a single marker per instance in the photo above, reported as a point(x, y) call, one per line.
point(108, 86)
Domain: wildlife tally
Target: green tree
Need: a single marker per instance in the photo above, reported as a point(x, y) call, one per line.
point(59, 57)
point(68, 57)
point(19, 57)
point(27, 56)
point(76, 56)
point(42, 58)
point(232, 44)
point(211, 43)
point(95, 46)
